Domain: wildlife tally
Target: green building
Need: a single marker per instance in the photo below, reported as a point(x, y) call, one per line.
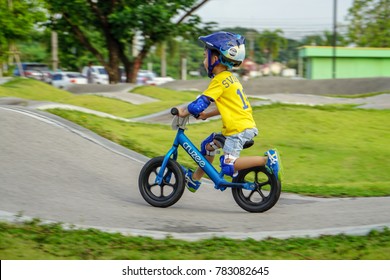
point(343, 62)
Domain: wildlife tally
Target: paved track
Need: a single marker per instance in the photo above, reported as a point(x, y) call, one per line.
point(55, 170)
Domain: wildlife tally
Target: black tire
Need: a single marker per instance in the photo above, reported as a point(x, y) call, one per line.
point(172, 188)
point(266, 193)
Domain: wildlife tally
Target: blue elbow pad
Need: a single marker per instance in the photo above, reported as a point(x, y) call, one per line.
point(199, 105)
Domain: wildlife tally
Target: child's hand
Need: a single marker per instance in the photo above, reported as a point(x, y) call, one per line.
point(183, 112)
point(202, 116)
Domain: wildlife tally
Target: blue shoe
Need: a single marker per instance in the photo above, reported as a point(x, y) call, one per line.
point(191, 184)
point(274, 164)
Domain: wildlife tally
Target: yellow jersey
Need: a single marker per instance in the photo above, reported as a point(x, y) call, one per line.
point(236, 112)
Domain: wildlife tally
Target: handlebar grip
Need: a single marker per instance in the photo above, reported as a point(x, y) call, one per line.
point(174, 111)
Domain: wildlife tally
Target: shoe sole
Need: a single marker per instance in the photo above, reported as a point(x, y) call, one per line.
point(280, 171)
point(188, 187)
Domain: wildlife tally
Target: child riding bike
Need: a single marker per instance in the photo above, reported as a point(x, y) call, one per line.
point(223, 50)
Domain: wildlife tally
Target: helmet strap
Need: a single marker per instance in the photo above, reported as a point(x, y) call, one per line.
point(228, 64)
point(211, 66)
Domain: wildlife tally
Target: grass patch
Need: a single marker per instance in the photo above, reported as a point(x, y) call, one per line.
point(39, 91)
point(360, 95)
point(34, 241)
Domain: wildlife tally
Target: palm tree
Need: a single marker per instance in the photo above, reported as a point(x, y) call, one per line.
point(166, 50)
point(271, 42)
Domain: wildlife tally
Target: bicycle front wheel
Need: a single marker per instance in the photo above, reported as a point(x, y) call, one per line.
point(264, 196)
point(169, 191)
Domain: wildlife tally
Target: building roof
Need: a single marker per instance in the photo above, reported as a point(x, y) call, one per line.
point(325, 51)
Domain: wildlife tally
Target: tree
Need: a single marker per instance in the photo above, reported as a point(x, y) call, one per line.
point(36, 47)
point(166, 51)
point(369, 23)
point(326, 39)
point(271, 42)
point(314, 40)
point(17, 19)
point(117, 22)
point(289, 55)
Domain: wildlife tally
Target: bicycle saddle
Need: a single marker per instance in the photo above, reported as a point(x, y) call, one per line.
point(221, 140)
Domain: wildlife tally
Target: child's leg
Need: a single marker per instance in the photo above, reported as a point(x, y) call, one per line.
point(272, 162)
point(208, 149)
point(198, 174)
point(234, 145)
point(249, 161)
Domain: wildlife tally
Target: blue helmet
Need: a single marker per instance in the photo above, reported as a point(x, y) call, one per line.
point(230, 46)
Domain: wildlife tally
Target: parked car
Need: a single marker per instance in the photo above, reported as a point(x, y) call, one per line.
point(145, 77)
point(162, 80)
point(99, 74)
point(34, 70)
point(150, 78)
point(66, 79)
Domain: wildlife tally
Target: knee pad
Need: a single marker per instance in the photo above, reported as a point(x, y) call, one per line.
point(227, 165)
point(219, 139)
point(209, 140)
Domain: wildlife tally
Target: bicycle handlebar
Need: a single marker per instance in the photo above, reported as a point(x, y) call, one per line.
point(175, 111)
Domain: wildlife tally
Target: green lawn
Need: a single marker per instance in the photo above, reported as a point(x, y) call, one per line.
point(32, 241)
point(34, 90)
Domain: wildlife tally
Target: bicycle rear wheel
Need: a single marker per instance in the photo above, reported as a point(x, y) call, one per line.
point(264, 196)
point(169, 191)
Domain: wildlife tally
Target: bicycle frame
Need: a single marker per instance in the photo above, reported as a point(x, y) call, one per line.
point(217, 177)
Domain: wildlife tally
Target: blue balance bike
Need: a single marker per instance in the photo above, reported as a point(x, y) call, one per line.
point(162, 181)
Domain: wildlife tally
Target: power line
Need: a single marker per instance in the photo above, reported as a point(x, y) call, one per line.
point(296, 28)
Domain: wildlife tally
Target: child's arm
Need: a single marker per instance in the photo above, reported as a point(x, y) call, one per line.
point(205, 115)
point(196, 107)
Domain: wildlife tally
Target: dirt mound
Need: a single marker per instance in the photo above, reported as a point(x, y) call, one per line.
point(266, 85)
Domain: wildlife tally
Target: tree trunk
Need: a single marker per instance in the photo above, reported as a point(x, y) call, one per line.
point(270, 63)
point(113, 45)
point(112, 67)
point(163, 60)
point(132, 76)
point(114, 55)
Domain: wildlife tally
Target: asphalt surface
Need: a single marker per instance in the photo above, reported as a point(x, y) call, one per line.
point(57, 171)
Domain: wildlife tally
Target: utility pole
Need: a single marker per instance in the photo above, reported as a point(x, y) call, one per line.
point(134, 49)
point(163, 60)
point(183, 67)
point(334, 39)
point(251, 38)
point(54, 50)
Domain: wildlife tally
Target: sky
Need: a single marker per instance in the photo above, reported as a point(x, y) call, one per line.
point(297, 18)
